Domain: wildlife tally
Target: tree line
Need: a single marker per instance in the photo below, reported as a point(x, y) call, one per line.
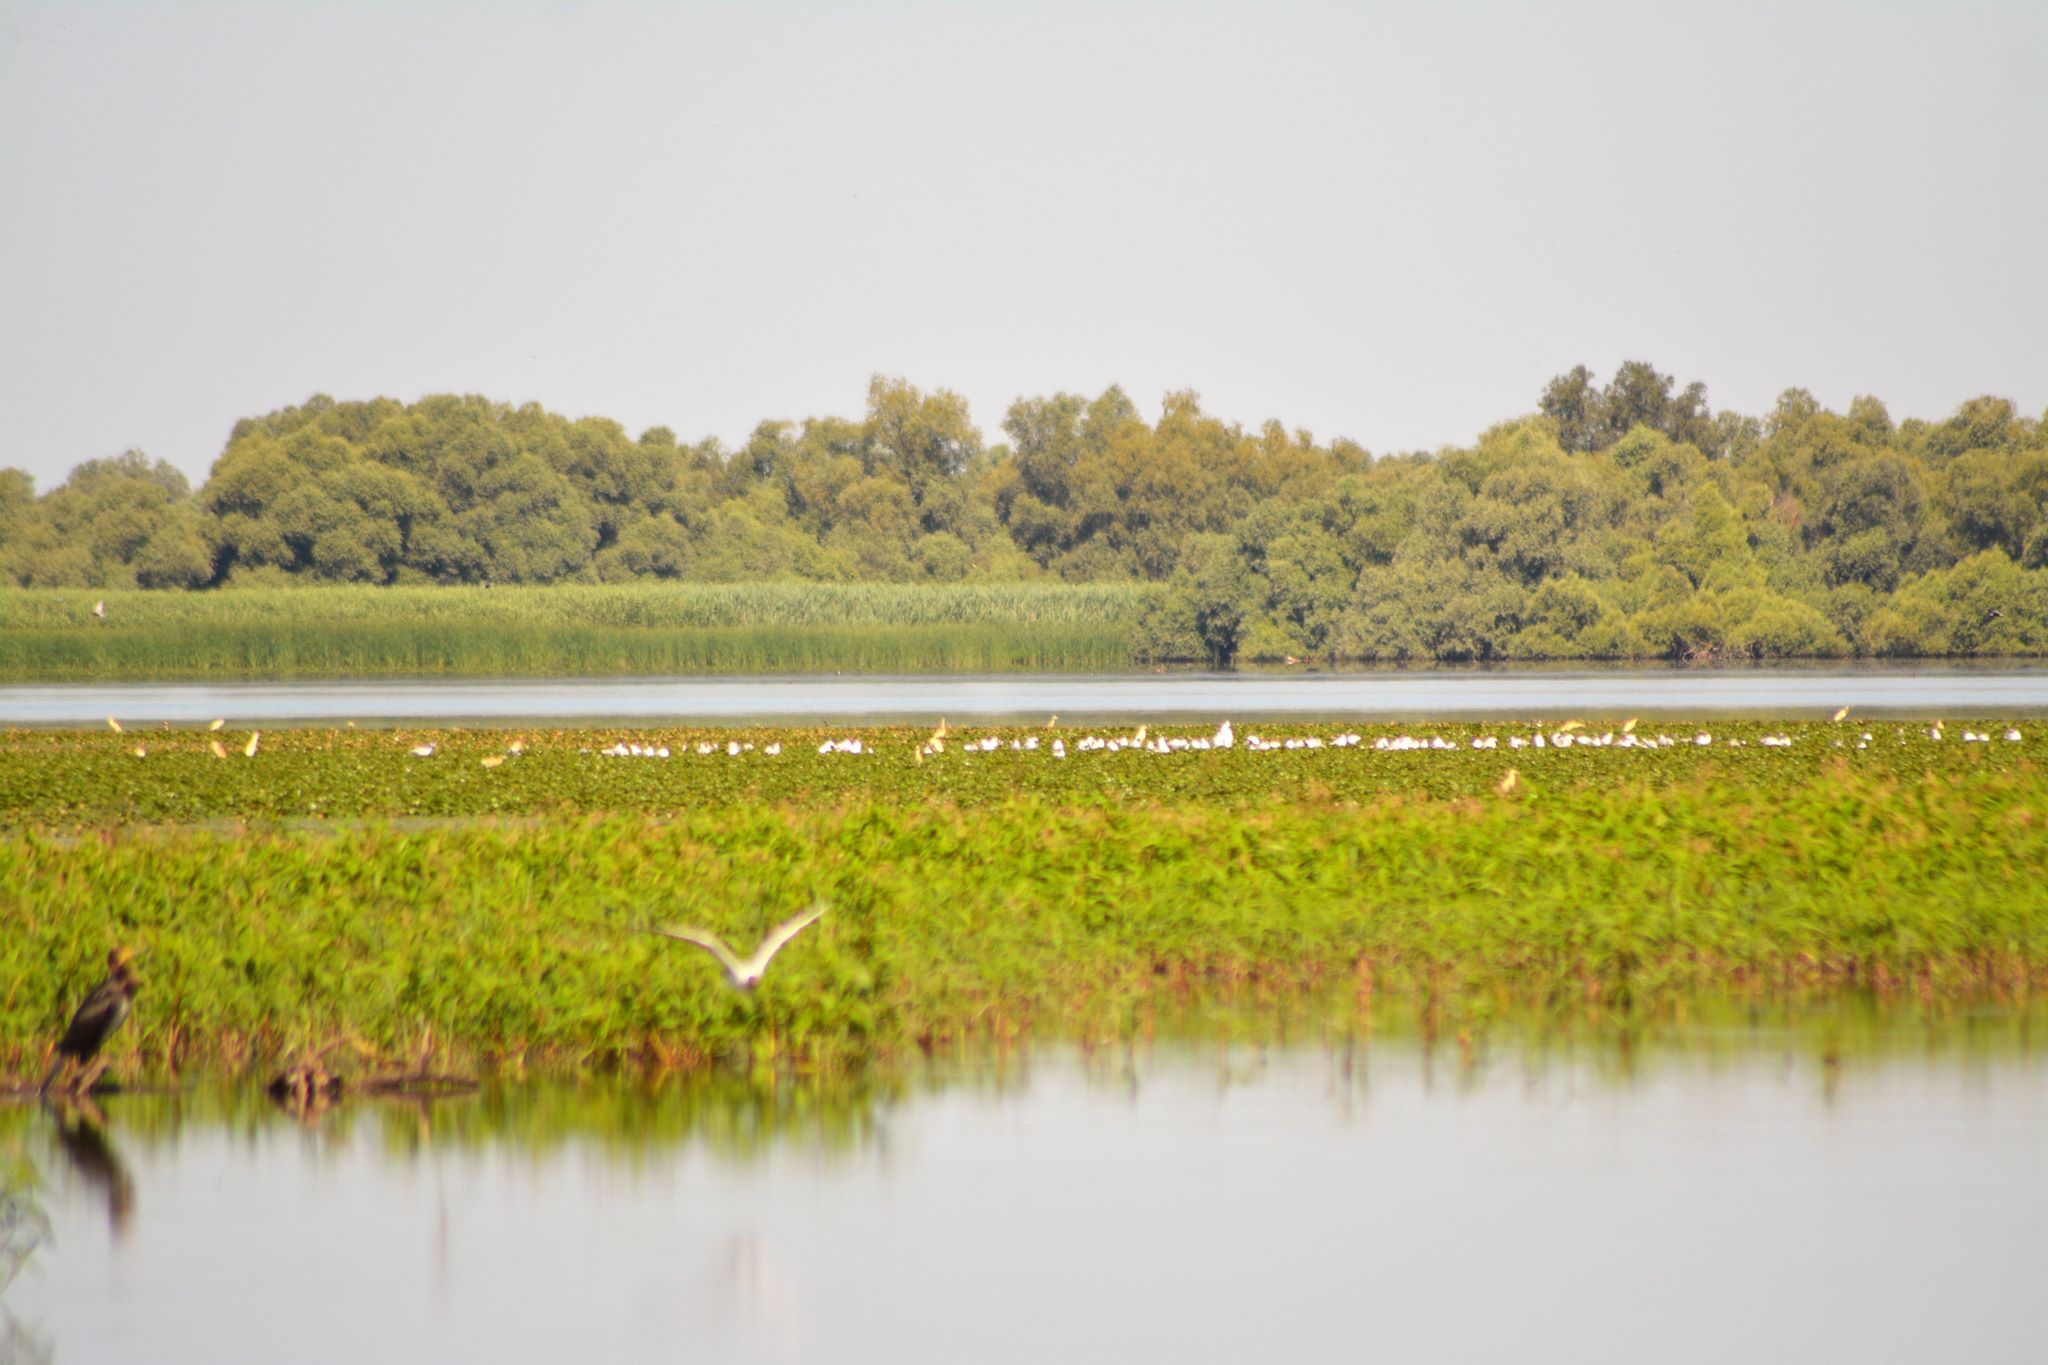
point(1625, 520)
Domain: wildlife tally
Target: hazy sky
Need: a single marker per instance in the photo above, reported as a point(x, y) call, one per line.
point(1390, 222)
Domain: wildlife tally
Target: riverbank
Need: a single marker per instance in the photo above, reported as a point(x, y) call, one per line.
point(335, 884)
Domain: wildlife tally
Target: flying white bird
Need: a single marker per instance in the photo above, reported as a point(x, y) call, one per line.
point(745, 974)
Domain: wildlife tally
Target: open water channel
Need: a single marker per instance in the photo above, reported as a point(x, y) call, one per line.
point(1757, 1193)
point(2005, 690)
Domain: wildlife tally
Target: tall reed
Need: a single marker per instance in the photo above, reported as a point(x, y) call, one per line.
point(568, 630)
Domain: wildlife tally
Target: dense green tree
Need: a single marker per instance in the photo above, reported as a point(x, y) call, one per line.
point(1573, 401)
point(1620, 521)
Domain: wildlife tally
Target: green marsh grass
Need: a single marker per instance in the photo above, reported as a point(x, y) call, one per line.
point(567, 630)
point(334, 884)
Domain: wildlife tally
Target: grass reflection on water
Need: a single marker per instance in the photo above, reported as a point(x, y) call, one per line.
point(979, 1202)
point(741, 1115)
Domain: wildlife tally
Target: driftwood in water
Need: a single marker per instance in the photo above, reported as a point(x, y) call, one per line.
point(310, 1087)
point(418, 1083)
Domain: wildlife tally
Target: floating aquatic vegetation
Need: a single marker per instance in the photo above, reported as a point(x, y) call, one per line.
point(333, 884)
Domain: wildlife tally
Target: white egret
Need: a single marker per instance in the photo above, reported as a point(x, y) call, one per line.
point(744, 974)
point(99, 609)
point(249, 749)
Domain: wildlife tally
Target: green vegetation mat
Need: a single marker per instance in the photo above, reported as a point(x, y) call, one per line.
point(334, 883)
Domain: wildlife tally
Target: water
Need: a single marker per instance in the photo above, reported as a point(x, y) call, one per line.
point(1920, 690)
point(1198, 1202)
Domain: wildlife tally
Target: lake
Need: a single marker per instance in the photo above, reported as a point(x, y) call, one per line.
point(1737, 1193)
point(1908, 691)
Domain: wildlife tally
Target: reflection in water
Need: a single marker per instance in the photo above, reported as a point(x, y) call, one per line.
point(82, 1137)
point(24, 1226)
point(755, 1294)
point(24, 1230)
point(1845, 1183)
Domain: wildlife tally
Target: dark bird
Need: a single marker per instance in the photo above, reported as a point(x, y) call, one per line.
point(98, 1017)
point(744, 975)
point(1992, 615)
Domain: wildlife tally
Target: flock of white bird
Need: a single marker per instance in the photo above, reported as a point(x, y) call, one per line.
point(1571, 734)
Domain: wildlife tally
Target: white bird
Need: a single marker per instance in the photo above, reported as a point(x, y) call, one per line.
point(249, 749)
point(1224, 738)
point(99, 609)
point(422, 751)
point(745, 974)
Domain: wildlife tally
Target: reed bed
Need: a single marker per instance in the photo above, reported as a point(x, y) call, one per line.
point(567, 630)
point(334, 884)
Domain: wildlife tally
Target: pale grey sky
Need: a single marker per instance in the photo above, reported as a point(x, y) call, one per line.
point(1392, 222)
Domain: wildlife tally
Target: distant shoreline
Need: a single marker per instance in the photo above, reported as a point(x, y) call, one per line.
point(665, 630)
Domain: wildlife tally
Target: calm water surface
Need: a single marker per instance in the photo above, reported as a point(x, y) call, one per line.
point(1929, 690)
point(1195, 1202)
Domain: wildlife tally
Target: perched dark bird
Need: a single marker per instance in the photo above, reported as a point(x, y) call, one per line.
point(98, 1017)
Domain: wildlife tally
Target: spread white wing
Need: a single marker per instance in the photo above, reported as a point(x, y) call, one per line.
point(779, 935)
point(705, 939)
